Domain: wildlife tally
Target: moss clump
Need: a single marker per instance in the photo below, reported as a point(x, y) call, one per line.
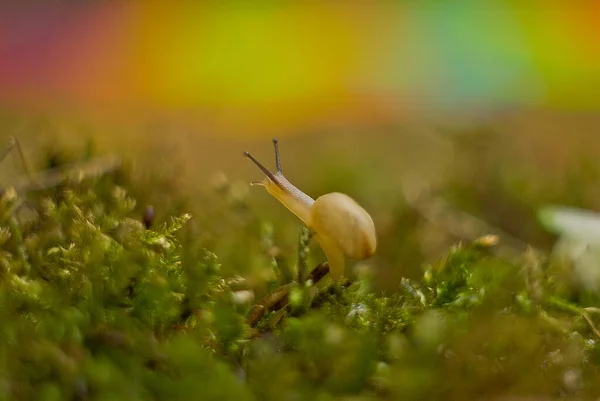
point(93, 305)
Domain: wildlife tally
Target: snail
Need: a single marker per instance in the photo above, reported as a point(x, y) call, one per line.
point(339, 224)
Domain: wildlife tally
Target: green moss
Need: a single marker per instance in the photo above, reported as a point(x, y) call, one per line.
point(95, 306)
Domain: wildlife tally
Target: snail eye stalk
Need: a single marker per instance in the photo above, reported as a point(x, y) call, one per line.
point(277, 158)
point(265, 170)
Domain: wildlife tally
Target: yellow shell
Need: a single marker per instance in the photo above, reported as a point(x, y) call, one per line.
point(343, 220)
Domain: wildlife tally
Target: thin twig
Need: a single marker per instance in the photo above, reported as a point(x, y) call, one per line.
point(279, 298)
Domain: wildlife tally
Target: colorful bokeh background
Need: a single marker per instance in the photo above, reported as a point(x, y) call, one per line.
point(259, 68)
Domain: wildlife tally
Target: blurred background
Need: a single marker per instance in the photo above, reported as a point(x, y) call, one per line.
point(493, 104)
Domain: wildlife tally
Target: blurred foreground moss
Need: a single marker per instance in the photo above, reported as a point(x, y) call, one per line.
point(95, 306)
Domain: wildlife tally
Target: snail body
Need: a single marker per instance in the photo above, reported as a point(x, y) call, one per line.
point(340, 225)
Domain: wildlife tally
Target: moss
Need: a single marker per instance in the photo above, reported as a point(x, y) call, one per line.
point(95, 305)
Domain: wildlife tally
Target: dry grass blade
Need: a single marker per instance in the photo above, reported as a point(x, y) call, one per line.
point(591, 324)
point(466, 226)
point(52, 177)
